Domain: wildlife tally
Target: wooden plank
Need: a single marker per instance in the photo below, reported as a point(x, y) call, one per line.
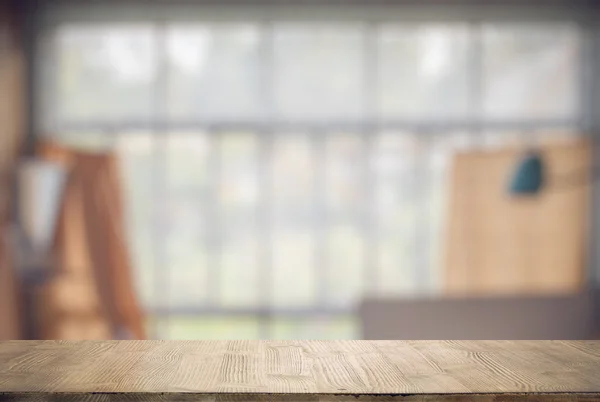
point(299, 371)
point(502, 245)
point(183, 397)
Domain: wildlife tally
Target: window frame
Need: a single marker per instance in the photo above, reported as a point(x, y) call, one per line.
point(51, 17)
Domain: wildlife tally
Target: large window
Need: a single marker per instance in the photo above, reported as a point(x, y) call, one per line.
point(277, 172)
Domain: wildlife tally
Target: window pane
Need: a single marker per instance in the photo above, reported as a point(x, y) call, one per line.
point(105, 72)
point(240, 280)
point(318, 71)
point(436, 176)
point(344, 176)
point(190, 167)
point(239, 276)
point(293, 277)
point(423, 71)
point(137, 163)
point(293, 179)
point(239, 181)
point(207, 327)
point(214, 72)
point(345, 165)
point(190, 237)
point(530, 71)
point(345, 265)
point(294, 218)
point(187, 234)
point(343, 327)
point(397, 209)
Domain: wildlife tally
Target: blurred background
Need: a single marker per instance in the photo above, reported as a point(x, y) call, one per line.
point(197, 169)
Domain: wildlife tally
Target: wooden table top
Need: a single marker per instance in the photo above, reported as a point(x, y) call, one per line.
point(299, 371)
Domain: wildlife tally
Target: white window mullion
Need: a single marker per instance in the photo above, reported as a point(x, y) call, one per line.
point(160, 185)
point(321, 223)
point(476, 83)
point(369, 179)
point(265, 265)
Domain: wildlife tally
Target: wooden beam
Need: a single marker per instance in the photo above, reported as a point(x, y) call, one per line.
point(299, 371)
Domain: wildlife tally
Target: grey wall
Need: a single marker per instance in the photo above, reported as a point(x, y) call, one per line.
point(512, 318)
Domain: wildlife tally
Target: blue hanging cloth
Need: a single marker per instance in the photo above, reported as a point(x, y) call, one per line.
point(528, 178)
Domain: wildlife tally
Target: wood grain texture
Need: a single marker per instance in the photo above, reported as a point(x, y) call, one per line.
point(91, 295)
point(502, 245)
point(183, 397)
point(299, 371)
